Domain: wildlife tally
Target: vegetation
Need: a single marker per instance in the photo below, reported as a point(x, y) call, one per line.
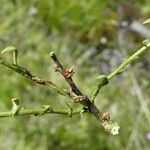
point(85, 34)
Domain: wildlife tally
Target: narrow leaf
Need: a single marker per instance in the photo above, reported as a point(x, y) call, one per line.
point(8, 49)
point(146, 21)
point(15, 108)
point(11, 49)
point(46, 109)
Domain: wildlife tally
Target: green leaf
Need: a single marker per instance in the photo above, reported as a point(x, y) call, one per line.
point(46, 109)
point(146, 21)
point(11, 49)
point(16, 107)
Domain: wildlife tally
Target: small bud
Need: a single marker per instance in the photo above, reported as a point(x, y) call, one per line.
point(102, 79)
point(146, 43)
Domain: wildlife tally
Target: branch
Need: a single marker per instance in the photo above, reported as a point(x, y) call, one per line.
point(24, 72)
point(121, 68)
point(89, 106)
point(39, 112)
point(103, 80)
point(17, 110)
point(104, 118)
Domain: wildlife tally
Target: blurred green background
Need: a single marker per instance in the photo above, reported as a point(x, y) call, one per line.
point(93, 35)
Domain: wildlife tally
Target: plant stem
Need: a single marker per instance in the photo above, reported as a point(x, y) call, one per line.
point(103, 80)
point(24, 72)
point(35, 112)
point(103, 118)
point(128, 61)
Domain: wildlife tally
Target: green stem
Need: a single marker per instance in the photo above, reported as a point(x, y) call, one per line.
point(103, 80)
point(35, 112)
point(128, 61)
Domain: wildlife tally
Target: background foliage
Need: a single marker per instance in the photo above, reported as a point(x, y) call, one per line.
point(84, 33)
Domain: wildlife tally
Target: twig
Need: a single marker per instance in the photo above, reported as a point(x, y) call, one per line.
point(89, 105)
point(67, 74)
point(24, 72)
point(130, 59)
point(36, 112)
point(103, 80)
point(17, 110)
point(104, 118)
point(86, 102)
